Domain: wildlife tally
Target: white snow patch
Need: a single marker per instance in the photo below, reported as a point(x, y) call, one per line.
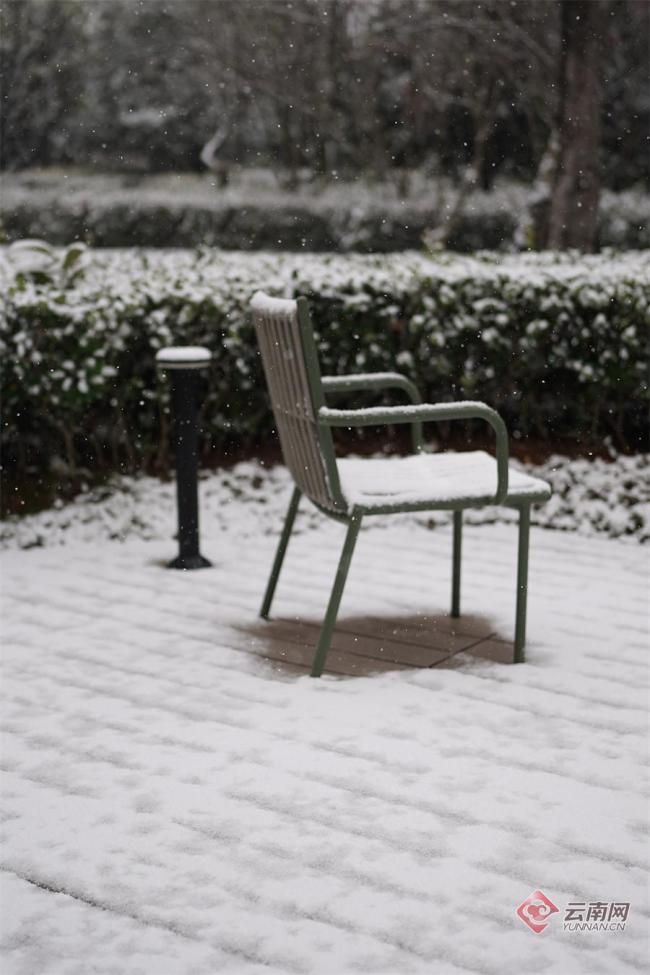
point(589, 496)
point(429, 478)
point(183, 354)
point(173, 804)
point(273, 306)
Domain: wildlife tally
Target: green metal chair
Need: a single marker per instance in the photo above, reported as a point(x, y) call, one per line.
point(349, 489)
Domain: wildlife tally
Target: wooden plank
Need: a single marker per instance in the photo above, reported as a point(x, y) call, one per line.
point(252, 640)
point(499, 651)
point(366, 645)
point(423, 632)
point(496, 651)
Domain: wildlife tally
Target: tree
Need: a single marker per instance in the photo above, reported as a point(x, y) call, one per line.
point(467, 91)
point(573, 209)
point(40, 85)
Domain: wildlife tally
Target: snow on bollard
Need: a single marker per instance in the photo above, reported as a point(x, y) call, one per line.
point(182, 363)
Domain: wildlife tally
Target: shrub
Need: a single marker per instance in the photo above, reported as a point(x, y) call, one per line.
point(557, 343)
point(186, 211)
point(594, 497)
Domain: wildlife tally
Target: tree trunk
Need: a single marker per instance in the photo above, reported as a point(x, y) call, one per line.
point(573, 213)
point(484, 118)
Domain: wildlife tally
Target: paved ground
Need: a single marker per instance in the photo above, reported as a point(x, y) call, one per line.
point(174, 803)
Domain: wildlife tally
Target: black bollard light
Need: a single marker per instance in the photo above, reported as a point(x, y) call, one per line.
point(183, 364)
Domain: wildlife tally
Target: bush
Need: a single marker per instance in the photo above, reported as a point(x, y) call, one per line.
point(593, 497)
point(253, 213)
point(557, 343)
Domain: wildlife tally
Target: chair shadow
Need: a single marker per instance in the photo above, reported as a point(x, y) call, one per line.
point(365, 645)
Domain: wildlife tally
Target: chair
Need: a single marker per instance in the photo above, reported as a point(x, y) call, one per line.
point(350, 489)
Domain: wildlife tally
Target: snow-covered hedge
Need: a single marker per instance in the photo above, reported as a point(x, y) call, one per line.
point(592, 497)
point(254, 213)
point(556, 342)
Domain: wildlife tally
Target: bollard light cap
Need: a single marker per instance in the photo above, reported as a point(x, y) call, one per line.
point(183, 357)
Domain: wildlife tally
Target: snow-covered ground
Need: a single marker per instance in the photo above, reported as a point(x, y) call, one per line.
point(590, 496)
point(173, 804)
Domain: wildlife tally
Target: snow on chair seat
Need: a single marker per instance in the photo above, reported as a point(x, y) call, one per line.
point(423, 480)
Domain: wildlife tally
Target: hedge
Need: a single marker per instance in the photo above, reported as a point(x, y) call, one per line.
point(108, 211)
point(557, 343)
point(591, 496)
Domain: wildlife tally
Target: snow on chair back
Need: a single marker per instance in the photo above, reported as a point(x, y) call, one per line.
point(290, 361)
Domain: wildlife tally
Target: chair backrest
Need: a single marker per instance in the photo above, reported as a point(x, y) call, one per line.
point(290, 360)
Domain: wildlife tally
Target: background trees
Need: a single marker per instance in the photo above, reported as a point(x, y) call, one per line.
point(338, 88)
point(41, 79)
point(575, 189)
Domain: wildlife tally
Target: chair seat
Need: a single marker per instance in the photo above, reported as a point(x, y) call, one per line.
point(424, 481)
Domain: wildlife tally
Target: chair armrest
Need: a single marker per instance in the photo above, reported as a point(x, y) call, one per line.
point(424, 412)
point(372, 380)
point(377, 381)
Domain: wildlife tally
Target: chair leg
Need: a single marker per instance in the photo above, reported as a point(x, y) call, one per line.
point(329, 622)
point(455, 575)
point(522, 583)
point(279, 555)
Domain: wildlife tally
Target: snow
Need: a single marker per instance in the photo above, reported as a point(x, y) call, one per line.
point(173, 804)
point(430, 478)
point(423, 411)
point(272, 306)
point(610, 498)
point(359, 378)
point(186, 355)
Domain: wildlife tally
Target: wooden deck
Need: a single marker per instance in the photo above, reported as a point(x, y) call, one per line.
point(364, 645)
point(179, 796)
